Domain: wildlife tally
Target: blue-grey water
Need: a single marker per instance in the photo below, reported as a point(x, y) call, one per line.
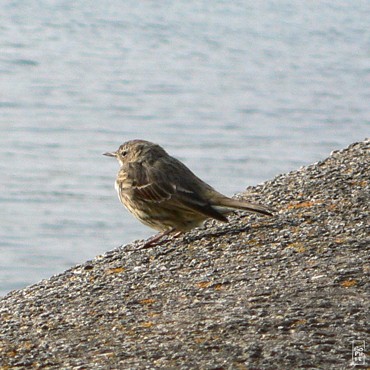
point(239, 90)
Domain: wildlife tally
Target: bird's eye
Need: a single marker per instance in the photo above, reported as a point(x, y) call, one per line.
point(124, 153)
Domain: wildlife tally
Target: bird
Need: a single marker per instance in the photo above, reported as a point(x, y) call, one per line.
point(164, 194)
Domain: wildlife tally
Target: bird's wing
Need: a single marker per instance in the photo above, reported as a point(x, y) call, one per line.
point(164, 183)
point(142, 183)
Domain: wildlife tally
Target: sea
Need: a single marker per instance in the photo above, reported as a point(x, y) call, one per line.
point(240, 91)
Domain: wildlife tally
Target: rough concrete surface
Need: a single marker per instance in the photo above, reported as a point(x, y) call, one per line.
point(286, 292)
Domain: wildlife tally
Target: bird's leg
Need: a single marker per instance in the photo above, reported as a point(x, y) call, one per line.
point(154, 239)
point(176, 235)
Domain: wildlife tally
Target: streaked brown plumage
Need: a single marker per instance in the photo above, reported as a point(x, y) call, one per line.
point(165, 195)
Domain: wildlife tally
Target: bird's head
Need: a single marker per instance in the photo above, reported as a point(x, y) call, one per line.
point(137, 151)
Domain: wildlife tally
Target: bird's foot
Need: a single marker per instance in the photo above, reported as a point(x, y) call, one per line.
point(155, 240)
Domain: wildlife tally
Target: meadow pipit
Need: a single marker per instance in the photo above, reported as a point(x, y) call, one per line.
point(164, 194)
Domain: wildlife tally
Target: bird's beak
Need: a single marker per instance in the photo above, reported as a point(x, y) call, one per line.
point(110, 154)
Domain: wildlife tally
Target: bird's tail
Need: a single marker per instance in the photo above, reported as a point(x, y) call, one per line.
point(230, 203)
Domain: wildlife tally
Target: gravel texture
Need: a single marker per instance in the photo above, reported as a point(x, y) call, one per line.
point(286, 292)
